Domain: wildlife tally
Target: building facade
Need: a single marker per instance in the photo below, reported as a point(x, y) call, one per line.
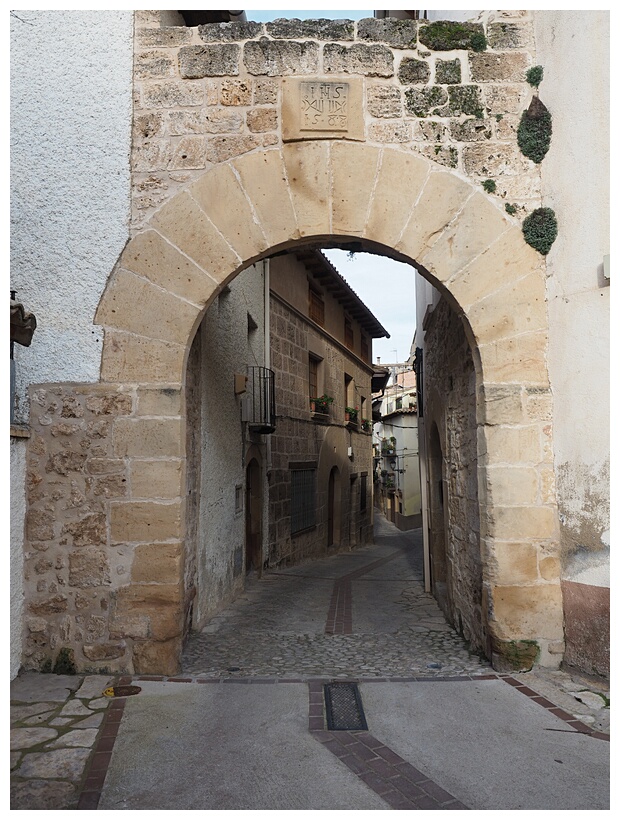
point(203, 150)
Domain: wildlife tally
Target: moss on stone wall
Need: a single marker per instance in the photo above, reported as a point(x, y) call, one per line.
point(446, 35)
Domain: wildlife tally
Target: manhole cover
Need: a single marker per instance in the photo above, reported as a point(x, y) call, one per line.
point(121, 691)
point(343, 705)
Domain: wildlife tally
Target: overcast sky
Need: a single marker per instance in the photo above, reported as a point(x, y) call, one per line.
point(387, 288)
point(305, 14)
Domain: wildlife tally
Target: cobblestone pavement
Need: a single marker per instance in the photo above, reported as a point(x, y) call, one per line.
point(278, 626)
point(361, 615)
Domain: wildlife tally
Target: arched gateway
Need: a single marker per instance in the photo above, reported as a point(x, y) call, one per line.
point(393, 202)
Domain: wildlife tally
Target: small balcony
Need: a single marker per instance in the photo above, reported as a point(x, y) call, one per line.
point(260, 403)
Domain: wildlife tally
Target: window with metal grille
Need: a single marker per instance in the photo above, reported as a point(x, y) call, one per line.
point(303, 500)
point(348, 334)
point(316, 307)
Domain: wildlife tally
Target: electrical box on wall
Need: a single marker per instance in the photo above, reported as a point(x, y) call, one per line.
point(350, 453)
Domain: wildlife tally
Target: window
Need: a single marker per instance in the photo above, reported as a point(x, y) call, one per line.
point(316, 307)
point(365, 350)
point(303, 499)
point(363, 490)
point(313, 377)
point(348, 334)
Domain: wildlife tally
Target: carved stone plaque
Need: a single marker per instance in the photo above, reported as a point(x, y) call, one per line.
point(324, 106)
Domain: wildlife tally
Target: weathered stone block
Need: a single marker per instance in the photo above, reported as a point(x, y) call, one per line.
point(88, 567)
point(129, 358)
point(471, 130)
point(515, 308)
point(371, 61)
point(39, 525)
point(278, 58)
point(530, 612)
point(304, 115)
point(393, 32)
point(236, 92)
point(448, 72)
point(511, 485)
point(425, 101)
point(65, 462)
point(505, 99)
point(319, 29)
point(87, 531)
point(157, 563)
point(172, 94)
point(446, 35)
point(161, 315)
point(156, 657)
point(384, 101)
point(351, 191)
point(262, 119)
point(229, 32)
point(196, 62)
point(112, 486)
point(155, 438)
point(494, 161)
point(307, 170)
point(156, 479)
point(432, 131)
point(187, 227)
point(144, 521)
point(522, 523)
point(264, 179)
point(105, 651)
point(501, 404)
point(465, 99)
point(510, 445)
point(159, 401)
point(110, 404)
point(489, 67)
point(514, 656)
point(50, 606)
point(390, 132)
point(154, 65)
point(171, 36)
point(220, 149)
point(265, 92)
point(412, 71)
point(150, 255)
point(505, 35)
point(521, 359)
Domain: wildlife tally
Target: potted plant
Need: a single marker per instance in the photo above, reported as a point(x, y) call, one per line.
point(321, 404)
point(366, 425)
point(350, 414)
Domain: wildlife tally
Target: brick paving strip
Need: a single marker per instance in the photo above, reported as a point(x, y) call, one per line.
point(395, 780)
point(340, 613)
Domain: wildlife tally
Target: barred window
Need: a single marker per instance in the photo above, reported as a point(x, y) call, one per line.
point(303, 500)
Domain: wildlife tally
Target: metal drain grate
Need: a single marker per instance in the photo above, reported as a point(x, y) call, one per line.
point(343, 705)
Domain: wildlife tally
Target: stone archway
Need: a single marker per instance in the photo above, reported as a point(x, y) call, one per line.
point(404, 206)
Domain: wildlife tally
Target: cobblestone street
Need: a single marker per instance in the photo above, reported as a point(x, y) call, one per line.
point(281, 626)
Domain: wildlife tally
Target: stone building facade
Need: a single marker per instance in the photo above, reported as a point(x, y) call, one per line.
point(229, 165)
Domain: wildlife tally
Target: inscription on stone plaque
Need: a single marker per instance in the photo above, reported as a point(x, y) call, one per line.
point(324, 106)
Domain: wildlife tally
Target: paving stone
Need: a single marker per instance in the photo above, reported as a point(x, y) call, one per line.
point(74, 707)
point(92, 722)
point(22, 712)
point(93, 686)
point(78, 737)
point(38, 719)
point(43, 794)
point(33, 687)
point(65, 764)
point(99, 703)
point(25, 738)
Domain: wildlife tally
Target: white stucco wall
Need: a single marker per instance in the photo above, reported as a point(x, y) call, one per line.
point(573, 48)
point(71, 98)
point(18, 512)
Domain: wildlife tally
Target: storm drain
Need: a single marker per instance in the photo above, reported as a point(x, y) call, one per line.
point(343, 706)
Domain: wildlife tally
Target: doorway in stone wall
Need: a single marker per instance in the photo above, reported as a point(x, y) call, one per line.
point(333, 508)
point(253, 517)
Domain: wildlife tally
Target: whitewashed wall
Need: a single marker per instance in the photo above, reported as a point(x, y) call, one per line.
point(71, 97)
point(573, 48)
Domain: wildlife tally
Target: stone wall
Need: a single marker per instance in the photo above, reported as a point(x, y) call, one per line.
point(324, 442)
point(206, 94)
point(450, 403)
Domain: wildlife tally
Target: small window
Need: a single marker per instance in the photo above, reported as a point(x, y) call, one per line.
point(348, 334)
point(313, 377)
point(316, 307)
point(365, 350)
point(303, 500)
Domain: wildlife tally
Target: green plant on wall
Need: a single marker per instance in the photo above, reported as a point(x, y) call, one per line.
point(446, 35)
point(540, 229)
point(534, 75)
point(534, 132)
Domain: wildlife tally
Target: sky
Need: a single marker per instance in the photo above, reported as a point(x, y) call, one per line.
point(387, 288)
point(261, 16)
